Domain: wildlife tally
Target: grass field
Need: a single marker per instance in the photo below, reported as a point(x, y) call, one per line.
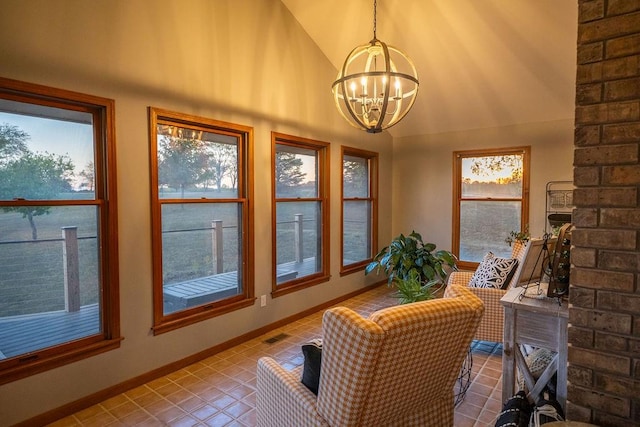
point(485, 225)
point(32, 272)
point(32, 275)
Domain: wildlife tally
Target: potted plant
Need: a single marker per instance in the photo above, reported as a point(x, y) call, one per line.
point(411, 289)
point(521, 236)
point(413, 266)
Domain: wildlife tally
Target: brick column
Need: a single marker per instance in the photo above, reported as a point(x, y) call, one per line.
point(604, 316)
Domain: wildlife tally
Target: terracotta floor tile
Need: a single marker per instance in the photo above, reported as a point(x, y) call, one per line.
point(185, 421)
point(148, 399)
point(475, 399)
point(170, 414)
point(90, 412)
point(69, 421)
point(204, 412)
point(220, 390)
point(123, 410)
point(99, 420)
point(241, 391)
point(219, 420)
point(461, 420)
point(115, 401)
point(168, 389)
point(136, 417)
point(179, 396)
point(210, 394)
point(192, 403)
point(487, 417)
point(237, 409)
point(248, 418)
point(471, 411)
point(159, 406)
point(485, 380)
point(138, 391)
point(223, 401)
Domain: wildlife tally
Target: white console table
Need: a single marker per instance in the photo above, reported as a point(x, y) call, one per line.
point(538, 322)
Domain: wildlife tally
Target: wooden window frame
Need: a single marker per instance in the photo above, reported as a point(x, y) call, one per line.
point(103, 113)
point(525, 151)
point(167, 322)
point(322, 150)
point(372, 158)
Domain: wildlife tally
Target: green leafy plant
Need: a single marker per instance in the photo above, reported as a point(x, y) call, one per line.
point(518, 236)
point(408, 260)
point(411, 289)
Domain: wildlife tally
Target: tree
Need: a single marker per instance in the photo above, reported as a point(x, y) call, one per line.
point(222, 161)
point(182, 162)
point(356, 180)
point(13, 143)
point(488, 165)
point(35, 176)
point(88, 175)
point(288, 171)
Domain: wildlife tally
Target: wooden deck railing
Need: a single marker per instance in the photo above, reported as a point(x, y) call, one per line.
point(71, 262)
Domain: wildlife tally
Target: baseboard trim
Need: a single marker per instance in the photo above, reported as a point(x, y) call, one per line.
point(107, 393)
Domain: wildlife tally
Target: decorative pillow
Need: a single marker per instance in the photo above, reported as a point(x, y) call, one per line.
point(494, 272)
point(312, 352)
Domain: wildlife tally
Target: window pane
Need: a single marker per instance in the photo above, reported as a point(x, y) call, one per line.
point(50, 283)
point(201, 256)
point(193, 164)
point(299, 240)
point(492, 176)
point(484, 227)
point(355, 174)
point(296, 172)
point(46, 153)
point(356, 227)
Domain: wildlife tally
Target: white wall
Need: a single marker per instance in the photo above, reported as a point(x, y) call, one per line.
point(242, 61)
point(423, 173)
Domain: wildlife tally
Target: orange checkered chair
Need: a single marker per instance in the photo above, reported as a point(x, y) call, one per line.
point(395, 368)
point(528, 269)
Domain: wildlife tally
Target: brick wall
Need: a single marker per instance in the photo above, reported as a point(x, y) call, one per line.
point(604, 332)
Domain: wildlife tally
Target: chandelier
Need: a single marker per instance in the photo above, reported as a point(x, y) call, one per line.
point(376, 86)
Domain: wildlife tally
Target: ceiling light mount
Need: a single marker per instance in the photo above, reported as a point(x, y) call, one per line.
point(376, 86)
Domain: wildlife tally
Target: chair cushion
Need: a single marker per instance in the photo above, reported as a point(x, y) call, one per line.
point(312, 352)
point(494, 272)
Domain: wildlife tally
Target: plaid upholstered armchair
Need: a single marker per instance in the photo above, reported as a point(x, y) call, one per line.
point(528, 269)
point(395, 368)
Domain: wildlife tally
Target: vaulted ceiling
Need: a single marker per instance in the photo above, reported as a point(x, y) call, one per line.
point(481, 63)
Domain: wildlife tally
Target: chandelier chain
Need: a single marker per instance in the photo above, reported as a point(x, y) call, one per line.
point(375, 4)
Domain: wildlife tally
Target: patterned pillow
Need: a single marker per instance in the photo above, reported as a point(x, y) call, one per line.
point(494, 272)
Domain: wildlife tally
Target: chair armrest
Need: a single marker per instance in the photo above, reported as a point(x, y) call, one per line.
point(460, 278)
point(490, 296)
point(492, 322)
point(281, 398)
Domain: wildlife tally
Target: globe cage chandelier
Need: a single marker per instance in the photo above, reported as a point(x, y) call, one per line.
point(376, 86)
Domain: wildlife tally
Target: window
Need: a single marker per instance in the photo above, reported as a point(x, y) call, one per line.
point(201, 218)
point(58, 216)
point(359, 208)
point(301, 212)
point(491, 198)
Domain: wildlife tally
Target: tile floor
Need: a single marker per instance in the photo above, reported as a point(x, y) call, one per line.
point(220, 390)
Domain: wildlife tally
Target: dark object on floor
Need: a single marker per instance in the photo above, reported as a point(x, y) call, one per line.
point(546, 411)
point(516, 412)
